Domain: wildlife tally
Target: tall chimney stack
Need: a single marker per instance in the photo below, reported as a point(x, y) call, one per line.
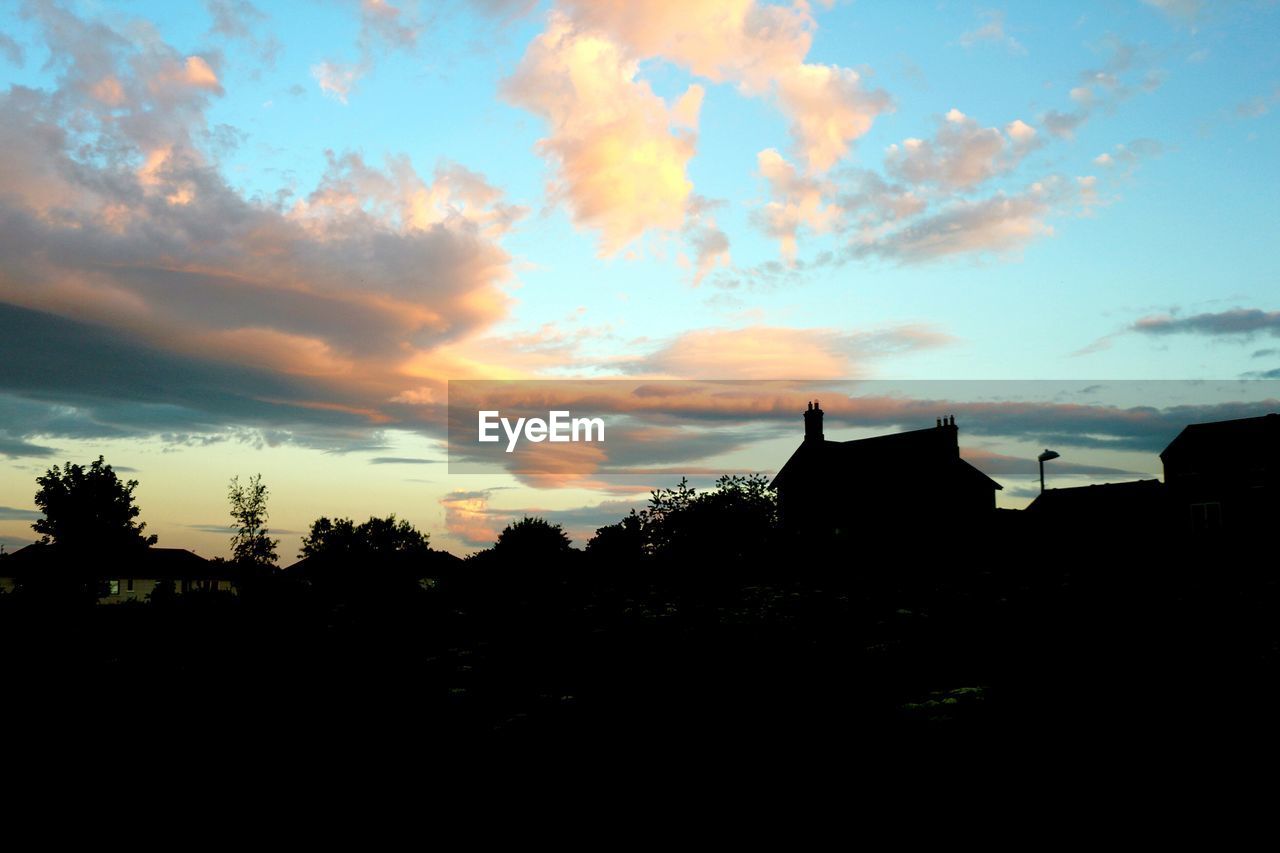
point(813, 422)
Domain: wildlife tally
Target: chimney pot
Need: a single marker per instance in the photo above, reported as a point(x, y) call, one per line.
point(813, 422)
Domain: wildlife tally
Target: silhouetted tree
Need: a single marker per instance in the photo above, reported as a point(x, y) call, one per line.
point(251, 547)
point(531, 539)
point(89, 509)
point(343, 538)
point(380, 561)
point(734, 520)
point(663, 520)
point(620, 542)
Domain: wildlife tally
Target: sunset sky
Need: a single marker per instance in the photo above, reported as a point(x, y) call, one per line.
point(242, 237)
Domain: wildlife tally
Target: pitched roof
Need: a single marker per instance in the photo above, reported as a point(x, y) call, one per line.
point(1100, 497)
point(1240, 435)
point(900, 455)
point(157, 563)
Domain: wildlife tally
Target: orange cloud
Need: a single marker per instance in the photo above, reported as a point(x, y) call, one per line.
point(193, 72)
point(828, 109)
point(620, 151)
point(773, 352)
point(796, 202)
point(466, 517)
point(758, 47)
point(339, 298)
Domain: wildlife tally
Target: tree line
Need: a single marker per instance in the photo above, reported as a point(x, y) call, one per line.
point(91, 511)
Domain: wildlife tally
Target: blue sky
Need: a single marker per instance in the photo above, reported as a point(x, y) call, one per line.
point(345, 205)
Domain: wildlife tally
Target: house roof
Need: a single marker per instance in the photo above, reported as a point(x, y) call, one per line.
point(1101, 497)
point(899, 455)
point(1242, 435)
point(157, 563)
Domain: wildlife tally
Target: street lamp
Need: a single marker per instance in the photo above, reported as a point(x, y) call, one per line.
point(1045, 457)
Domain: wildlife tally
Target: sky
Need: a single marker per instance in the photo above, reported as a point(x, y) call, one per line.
point(248, 237)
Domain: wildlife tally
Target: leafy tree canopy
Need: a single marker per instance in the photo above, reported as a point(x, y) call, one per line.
point(377, 537)
point(532, 538)
point(251, 546)
point(731, 520)
point(89, 508)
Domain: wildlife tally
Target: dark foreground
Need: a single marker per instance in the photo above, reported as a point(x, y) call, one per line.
point(806, 654)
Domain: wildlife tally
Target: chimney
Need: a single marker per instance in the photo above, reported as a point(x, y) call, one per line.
point(949, 423)
point(813, 422)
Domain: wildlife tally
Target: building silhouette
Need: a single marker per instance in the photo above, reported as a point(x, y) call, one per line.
point(1225, 475)
point(1218, 476)
point(116, 580)
point(914, 478)
point(1129, 506)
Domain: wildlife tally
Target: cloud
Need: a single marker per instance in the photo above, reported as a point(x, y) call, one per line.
point(391, 24)
point(758, 47)
point(233, 18)
point(1128, 157)
point(383, 27)
point(659, 428)
point(8, 513)
point(774, 352)
point(868, 201)
point(403, 460)
point(621, 152)
point(336, 80)
point(471, 518)
point(1186, 11)
point(1238, 322)
point(239, 21)
point(796, 202)
point(1064, 125)
point(1104, 88)
point(506, 10)
point(992, 31)
point(962, 154)
point(74, 380)
point(1131, 428)
point(1000, 224)
point(119, 235)
point(11, 50)
point(893, 219)
point(16, 447)
point(1258, 106)
point(829, 108)
point(710, 245)
point(467, 518)
point(1002, 465)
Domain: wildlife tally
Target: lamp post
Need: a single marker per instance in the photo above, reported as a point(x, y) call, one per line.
point(1045, 457)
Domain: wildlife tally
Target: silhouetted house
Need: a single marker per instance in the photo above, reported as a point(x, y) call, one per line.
point(1225, 475)
point(914, 478)
point(131, 578)
point(1141, 505)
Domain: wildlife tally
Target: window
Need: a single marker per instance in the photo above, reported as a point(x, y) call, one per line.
point(113, 587)
point(1206, 516)
point(130, 586)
